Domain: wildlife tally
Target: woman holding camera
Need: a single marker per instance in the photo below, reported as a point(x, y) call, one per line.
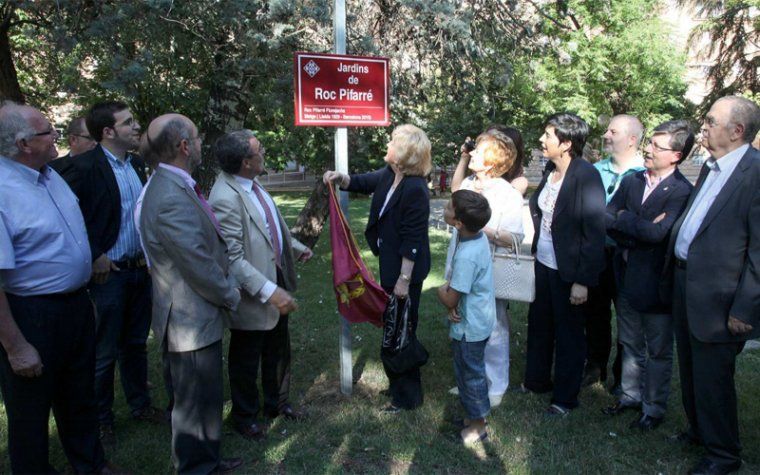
point(397, 232)
point(568, 216)
point(489, 158)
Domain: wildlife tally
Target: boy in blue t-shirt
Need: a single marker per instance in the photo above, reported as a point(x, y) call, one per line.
point(471, 304)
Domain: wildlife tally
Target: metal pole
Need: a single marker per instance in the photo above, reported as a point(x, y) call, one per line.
point(341, 165)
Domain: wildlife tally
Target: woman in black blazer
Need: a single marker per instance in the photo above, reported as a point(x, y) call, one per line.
point(568, 216)
point(397, 232)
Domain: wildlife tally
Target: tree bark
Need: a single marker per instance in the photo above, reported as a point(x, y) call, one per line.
point(311, 219)
point(9, 86)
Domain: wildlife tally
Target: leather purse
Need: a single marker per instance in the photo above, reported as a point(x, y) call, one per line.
point(514, 276)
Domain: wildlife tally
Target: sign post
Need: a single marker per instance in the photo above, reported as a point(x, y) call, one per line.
point(336, 90)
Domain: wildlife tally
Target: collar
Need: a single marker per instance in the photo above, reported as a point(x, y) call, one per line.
point(652, 181)
point(727, 161)
point(114, 160)
point(30, 174)
point(636, 164)
point(471, 238)
point(245, 183)
point(178, 171)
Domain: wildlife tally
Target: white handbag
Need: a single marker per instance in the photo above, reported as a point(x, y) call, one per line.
point(514, 276)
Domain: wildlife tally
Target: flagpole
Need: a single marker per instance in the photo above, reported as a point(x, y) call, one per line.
point(341, 165)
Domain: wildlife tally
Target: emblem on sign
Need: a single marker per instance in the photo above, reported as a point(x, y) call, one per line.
point(311, 69)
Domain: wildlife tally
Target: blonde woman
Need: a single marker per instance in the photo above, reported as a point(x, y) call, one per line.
point(494, 154)
point(397, 232)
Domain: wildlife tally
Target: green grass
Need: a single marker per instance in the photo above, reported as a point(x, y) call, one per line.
point(349, 435)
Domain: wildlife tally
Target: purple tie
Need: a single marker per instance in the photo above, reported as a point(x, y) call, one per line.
point(207, 208)
point(270, 223)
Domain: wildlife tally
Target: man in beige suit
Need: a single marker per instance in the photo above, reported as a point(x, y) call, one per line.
point(262, 255)
point(192, 292)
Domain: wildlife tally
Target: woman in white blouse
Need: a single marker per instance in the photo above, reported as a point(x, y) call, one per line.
point(494, 154)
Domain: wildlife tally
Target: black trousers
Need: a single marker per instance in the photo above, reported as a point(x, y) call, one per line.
point(197, 414)
point(406, 388)
point(555, 325)
point(62, 330)
point(248, 349)
point(707, 383)
point(599, 322)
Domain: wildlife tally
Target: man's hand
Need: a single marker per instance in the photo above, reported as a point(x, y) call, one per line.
point(331, 177)
point(283, 301)
point(101, 268)
point(738, 327)
point(454, 316)
point(659, 218)
point(306, 255)
point(578, 294)
point(25, 361)
point(401, 290)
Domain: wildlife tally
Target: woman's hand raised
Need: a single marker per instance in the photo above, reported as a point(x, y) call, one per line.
point(331, 177)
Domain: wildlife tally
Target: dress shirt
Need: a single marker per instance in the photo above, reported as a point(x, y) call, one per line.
point(268, 289)
point(127, 243)
point(651, 183)
point(720, 172)
point(612, 178)
point(43, 239)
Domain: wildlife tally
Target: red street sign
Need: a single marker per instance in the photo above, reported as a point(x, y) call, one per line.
point(338, 90)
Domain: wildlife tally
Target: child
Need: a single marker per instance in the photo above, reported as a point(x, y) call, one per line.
point(470, 301)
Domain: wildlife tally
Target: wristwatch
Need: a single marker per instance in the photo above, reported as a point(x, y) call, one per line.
point(404, 277)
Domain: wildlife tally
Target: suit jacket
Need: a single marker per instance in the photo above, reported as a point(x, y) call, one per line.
point(251, 253)
point(578, 231)
point(91, 178)
point(402, 230)
point(630, 224)
point(723, 264)
point(188, 265)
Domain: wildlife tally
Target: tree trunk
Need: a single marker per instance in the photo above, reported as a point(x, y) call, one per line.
point(312, 217)
point(9, 86)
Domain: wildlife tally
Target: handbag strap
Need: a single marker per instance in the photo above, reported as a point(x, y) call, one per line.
point(514, 246)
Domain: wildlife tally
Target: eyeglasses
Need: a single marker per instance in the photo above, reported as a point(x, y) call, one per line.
point(659, 148)
point(86, 137)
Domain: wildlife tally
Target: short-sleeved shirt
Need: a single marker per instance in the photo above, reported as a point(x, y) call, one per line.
point(471, 276)
point(611, 178)
point(43, 239)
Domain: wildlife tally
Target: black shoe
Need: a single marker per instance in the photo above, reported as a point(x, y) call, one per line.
point(619, 408)
point(229, 465)
point(708, 467)
point(687, 437)
point(107, 435)
point(646, 423)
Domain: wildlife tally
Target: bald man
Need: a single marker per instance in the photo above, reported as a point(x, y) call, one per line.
point(192, 291)
point(47, 323)
point(621, 142)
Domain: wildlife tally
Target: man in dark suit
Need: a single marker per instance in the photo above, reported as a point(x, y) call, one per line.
point(108, 180)
point(639, 218)
point(714, 258)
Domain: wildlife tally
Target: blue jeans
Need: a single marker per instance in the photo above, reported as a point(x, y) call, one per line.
point(470, 373)
point(123, 315)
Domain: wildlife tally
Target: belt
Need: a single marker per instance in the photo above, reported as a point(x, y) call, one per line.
point(131, 263)
point(680, 263)
point(56, 296)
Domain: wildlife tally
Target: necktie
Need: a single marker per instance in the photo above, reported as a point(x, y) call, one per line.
point(270, 222)
point(207, 208)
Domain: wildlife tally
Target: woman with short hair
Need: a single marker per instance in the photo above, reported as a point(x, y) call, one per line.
point(397, 232)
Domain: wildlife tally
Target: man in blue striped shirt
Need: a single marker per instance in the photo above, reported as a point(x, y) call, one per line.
point(107, 180)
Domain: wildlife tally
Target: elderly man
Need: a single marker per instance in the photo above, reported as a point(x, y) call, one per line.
point(714, 257)
point(621, 141)
point(78, 137)
point(107, 180)
point(639, 218)
point(47, 325)
point(192, 292)
point(262, 255)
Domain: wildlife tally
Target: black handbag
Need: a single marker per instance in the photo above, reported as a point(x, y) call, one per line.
point(400, 350)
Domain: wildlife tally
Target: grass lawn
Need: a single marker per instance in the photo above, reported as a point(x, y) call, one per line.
point(349, 435)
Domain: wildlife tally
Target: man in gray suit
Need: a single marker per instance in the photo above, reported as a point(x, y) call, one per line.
point(191, 293)
point(262, 258)
point(714, 255)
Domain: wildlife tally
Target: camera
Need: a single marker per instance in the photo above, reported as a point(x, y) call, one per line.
point(469, 145)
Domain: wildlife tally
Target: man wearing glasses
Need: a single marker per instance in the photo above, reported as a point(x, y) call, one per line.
point(621, 141)
point(639, 219)
point(47, 326)
point(108, 180)
point(714, 260)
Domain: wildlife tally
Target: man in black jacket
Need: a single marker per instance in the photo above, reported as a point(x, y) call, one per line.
point(639, 218)
point(108, 180)
point(714, 258)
